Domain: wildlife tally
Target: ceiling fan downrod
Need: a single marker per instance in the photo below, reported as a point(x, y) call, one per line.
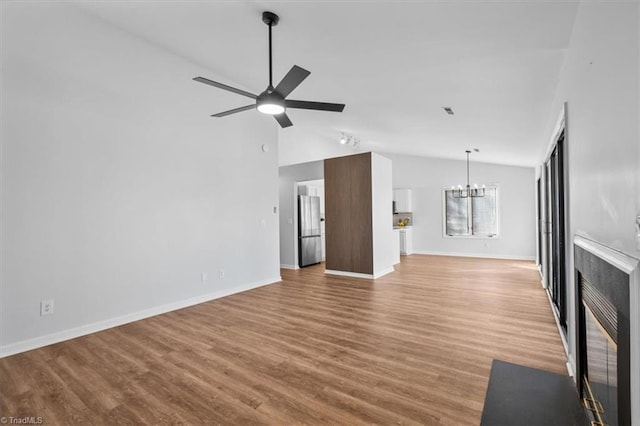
point(271, 19)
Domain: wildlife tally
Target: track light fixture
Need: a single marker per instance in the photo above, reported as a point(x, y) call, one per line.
point(344, 139)
point(347, 139)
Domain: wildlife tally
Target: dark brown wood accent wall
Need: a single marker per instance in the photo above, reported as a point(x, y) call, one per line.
point(348, 208)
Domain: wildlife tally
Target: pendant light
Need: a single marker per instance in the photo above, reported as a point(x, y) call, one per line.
point(468, 191)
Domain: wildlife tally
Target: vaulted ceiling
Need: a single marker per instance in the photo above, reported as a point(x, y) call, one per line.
point(395, 64)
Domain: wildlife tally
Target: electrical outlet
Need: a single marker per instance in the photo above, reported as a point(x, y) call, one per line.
point(221, 273)
point(46, 307)
point(205, 276)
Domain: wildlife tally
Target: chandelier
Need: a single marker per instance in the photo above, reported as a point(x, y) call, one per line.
point(468, 191)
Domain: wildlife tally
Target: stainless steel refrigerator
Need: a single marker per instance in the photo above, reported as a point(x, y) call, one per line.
point(309, 230)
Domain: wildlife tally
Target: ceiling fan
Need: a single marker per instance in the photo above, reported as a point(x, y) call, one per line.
point(273, 100)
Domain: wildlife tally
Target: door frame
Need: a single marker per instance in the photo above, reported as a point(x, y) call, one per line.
point(558, 242)
point(560, 130)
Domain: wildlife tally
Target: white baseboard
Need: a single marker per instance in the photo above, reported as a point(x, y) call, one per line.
point(282, 266)
point(348, 274)
point(563, 338)
point(384, 272)
point(480, 255)
point(72, 333)
point(571, 370)
point(359, 275)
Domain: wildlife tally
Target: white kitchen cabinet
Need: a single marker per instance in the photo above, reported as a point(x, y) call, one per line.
point(406, 241)
point(402, 197)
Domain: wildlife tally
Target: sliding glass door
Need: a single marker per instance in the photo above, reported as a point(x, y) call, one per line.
point(556, 238)
point(540, 226)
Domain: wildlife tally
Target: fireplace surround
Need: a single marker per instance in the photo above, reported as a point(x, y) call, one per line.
point(607, 332)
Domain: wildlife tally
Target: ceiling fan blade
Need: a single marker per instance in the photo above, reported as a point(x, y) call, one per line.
point(321, 106)
point(294, 77)
point(225, 87)
point(233, 111)
point(283, 120)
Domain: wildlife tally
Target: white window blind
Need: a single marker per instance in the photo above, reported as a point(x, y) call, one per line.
point(457, 215)
point(472, 216)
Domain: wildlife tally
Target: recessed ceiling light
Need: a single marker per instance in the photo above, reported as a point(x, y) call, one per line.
point(448, 110)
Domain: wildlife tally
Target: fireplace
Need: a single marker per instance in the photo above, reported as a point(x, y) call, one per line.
point(600, 370)
point(606, 333)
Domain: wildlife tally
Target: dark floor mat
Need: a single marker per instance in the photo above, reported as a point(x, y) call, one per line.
point(523, 396)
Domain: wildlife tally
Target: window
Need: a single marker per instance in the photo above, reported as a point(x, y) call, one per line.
point(471, 217)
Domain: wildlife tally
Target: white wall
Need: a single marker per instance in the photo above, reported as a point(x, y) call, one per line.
point(382, 217)
point(600, 82)
point(288, 177)
point(428, 176)
point(299, 144)
point(118, 190)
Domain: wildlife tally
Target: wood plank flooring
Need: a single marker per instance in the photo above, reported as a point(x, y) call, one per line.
point(413, 347)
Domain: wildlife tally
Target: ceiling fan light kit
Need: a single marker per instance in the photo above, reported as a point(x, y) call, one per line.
point(270, 103)
point(273, 100)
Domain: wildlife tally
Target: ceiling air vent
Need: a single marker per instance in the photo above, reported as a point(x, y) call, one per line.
point(448, 110)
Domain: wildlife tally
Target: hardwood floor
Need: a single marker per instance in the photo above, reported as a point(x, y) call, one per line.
point(413, 347)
